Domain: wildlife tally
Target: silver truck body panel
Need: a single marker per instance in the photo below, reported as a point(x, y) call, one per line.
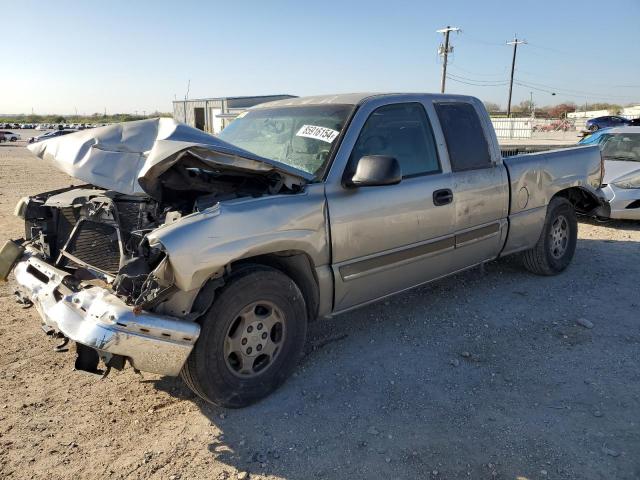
point(390, 238)
point(536, 178)
point(202, 244)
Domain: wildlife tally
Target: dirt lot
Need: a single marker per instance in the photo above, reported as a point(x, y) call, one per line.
point(483, 375)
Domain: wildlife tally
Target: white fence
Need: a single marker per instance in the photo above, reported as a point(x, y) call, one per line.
point(512, 127)
point(534, 127)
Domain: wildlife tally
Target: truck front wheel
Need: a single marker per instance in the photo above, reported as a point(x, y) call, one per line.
point(557, 243)
point(251, 338)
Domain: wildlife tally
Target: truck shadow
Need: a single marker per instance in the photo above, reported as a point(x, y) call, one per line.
point(485, 374)
point(630, 225)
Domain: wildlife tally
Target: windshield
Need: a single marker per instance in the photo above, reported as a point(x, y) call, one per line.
point(300, 136)
point(619, 146)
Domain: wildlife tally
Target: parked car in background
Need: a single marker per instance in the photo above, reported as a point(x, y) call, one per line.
point(50, 135)
point(209, 255)
point(10, 136)
point(620, 149)
point(595, 124)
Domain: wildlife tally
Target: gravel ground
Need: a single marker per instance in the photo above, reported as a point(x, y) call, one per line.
point(487, 374)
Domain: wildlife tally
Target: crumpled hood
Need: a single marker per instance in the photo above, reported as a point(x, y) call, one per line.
point(129, 157)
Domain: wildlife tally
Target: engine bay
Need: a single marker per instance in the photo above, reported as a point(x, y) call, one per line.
point(99, 236)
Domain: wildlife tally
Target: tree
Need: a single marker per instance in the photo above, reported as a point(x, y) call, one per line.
point(611, 107)
point(524, 106)
point(561, 110)
point(491, 106)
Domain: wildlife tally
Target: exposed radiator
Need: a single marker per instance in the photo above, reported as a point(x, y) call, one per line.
point(97, 245)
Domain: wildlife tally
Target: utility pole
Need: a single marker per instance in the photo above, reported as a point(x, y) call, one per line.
point(444, 50)
point(515, 42)
point(531, 107)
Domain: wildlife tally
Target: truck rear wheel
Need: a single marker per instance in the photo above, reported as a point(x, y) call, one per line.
point(557, 243)
point(251, 338)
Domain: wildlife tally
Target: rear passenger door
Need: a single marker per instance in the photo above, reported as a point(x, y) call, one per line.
point(480, 183)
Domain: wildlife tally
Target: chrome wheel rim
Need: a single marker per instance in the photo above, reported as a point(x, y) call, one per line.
point(254, 339)
point(559, 236)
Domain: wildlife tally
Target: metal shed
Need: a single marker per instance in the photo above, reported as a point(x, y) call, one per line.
point(213, 114)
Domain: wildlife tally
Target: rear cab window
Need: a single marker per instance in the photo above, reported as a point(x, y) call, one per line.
point(464, 136)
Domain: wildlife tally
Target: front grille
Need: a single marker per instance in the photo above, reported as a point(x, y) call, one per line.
point(97, 245)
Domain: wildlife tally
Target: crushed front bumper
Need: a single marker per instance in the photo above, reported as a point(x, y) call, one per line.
point(100, 320)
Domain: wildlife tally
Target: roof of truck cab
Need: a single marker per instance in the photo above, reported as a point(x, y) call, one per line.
point(342, 99)
point(339, 99)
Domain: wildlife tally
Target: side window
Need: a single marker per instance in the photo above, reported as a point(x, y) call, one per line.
point(466, 142)
point(401, 131)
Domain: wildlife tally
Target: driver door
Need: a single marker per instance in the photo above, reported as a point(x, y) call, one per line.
point(389, 238)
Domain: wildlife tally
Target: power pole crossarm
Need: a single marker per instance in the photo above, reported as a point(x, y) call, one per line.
point(515, 42)
point(444, 50)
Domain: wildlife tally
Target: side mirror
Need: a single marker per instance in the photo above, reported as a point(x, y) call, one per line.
point(376, 170)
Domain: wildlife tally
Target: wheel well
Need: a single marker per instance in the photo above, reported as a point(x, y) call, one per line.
point(582, 200)
point(299, 267)
point(296, 265)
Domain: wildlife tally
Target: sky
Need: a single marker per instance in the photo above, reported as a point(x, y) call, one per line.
point(139, 55)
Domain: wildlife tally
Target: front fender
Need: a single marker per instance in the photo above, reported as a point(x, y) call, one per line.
point(200, 245)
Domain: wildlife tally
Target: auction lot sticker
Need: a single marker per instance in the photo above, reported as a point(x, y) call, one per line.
point(319, 133)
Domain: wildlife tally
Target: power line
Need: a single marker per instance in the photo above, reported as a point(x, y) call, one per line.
point(478, 84)
point(474, 39)
point(549, 49)
point(460, 77)
point(541, 87)
point(565, 91)
point(444, 51)
point(458, 67)
point(608, 85)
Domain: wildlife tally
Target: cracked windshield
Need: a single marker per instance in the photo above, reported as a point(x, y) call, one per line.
point(301, 137)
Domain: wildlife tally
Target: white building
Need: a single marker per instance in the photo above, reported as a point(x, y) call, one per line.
point(627, 112)
point(631, 112)
point(213, 114)
point(588, 114)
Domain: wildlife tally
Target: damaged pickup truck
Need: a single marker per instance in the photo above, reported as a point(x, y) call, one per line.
point(206, 257)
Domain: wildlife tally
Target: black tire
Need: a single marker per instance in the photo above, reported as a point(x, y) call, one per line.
point(549, 257)
point(208, 370)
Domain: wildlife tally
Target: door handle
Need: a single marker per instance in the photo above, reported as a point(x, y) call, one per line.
point(442, 197)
